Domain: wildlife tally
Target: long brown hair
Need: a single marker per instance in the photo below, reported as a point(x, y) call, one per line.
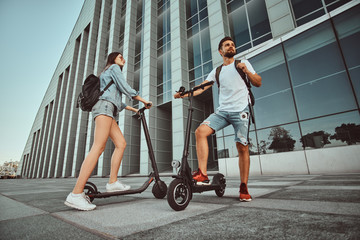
point(111, 60)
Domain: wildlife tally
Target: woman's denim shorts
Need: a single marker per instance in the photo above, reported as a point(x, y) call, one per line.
point(103, 107)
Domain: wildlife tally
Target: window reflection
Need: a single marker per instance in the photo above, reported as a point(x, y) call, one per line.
point(283, 138)
point(332, 131)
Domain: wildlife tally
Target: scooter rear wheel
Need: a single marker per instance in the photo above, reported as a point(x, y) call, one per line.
point(159, 189)
point(88, 189)
point(179, 194)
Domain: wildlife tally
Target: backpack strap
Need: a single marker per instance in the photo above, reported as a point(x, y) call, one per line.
point(217, 74)
point(242, 74)
point(106, 88)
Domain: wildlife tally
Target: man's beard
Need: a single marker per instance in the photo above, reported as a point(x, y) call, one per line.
point(230, 54)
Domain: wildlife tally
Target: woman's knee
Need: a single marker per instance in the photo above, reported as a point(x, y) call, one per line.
point(120, 144)
point(99, 148)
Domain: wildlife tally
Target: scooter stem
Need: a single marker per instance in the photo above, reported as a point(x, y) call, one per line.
point(188, 132)
point(150, 148)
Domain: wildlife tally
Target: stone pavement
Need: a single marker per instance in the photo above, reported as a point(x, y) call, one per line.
point(284, 207)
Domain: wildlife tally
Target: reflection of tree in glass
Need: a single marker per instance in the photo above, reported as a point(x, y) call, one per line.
point(251, 147)
point(349, 133)
point(281, 140)
point(315, 139)
point(262, 146)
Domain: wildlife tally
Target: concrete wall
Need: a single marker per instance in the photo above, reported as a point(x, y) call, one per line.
point(315, 161)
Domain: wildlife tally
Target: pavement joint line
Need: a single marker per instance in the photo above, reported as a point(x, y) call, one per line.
point(82, 227)
point(270, 201)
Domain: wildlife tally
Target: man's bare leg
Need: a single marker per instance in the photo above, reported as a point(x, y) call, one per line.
point(202, 146)
point(244, 162)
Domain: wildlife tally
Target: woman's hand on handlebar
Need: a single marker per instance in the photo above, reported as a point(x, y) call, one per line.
point(148, 104)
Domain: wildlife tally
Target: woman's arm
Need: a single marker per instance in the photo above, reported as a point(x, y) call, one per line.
point(147, 104)
point(131, 109)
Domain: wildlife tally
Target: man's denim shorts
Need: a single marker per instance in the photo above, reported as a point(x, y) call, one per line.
point(239, 121)
point(103, 107)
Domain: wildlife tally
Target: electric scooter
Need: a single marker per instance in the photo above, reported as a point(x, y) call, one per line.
point(159, 189)
point(181, 189)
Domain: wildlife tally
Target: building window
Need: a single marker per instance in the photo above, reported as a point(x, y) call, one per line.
point(249, 23)
point(307, 100)
point(274, 99)
point(163, 51)
point(318, 74)
point(348, 31)
point(308, 10)
point(199, 54)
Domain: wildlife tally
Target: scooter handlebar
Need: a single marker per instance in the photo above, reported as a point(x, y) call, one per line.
point(141, 110)
point(182, 90)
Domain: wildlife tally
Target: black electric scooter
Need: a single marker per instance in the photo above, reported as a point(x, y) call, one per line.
point(183, 186)
point(159, 189)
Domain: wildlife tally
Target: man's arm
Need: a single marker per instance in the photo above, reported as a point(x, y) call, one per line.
point(197, 92)
point(255, 79)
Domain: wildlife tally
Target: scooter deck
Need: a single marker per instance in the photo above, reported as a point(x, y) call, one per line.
point(118, 193)
point(204, 188)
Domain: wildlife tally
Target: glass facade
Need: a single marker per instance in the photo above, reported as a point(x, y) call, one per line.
point(308, 10)
point(309, 98)
point(200, 61)
point(310, 91)
point(249, 23)
point(199, 65)
point(122, 25)
point(163, 52)
point(138, 46)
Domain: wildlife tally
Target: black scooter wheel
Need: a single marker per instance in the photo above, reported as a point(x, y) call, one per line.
point(179, 195)
point(159, 189)
point(220, 192)
point(88, 189)
point(219, 179)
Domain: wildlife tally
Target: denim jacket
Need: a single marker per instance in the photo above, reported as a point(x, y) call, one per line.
point(114, 93)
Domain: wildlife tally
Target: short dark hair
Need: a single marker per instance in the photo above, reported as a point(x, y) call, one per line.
point(223, 40)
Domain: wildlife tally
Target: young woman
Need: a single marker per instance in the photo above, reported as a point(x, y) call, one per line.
point(104, 112)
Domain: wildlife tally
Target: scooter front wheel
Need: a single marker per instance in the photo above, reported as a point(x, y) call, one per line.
point(159, 189)
point(179, 194)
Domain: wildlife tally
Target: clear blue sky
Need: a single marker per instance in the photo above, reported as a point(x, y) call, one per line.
point(33, 35)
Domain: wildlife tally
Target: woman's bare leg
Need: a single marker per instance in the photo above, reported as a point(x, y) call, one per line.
point(102, 129)
point(120, 144)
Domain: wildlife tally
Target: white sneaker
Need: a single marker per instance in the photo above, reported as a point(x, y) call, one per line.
point(116, 186)
point(79, 201)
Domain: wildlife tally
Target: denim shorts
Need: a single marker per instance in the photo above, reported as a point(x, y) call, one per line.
point(239, 121)
point(103, 107)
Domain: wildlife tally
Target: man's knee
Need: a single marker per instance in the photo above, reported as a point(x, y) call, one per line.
point(242, 148)
point(203, 131)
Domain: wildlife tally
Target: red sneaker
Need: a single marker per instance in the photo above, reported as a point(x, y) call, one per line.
point(200, 178)
point(244, 194)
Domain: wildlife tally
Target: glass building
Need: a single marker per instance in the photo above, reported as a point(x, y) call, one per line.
point(306, 113)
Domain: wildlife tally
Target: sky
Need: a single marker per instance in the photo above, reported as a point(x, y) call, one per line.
point(33, 36)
